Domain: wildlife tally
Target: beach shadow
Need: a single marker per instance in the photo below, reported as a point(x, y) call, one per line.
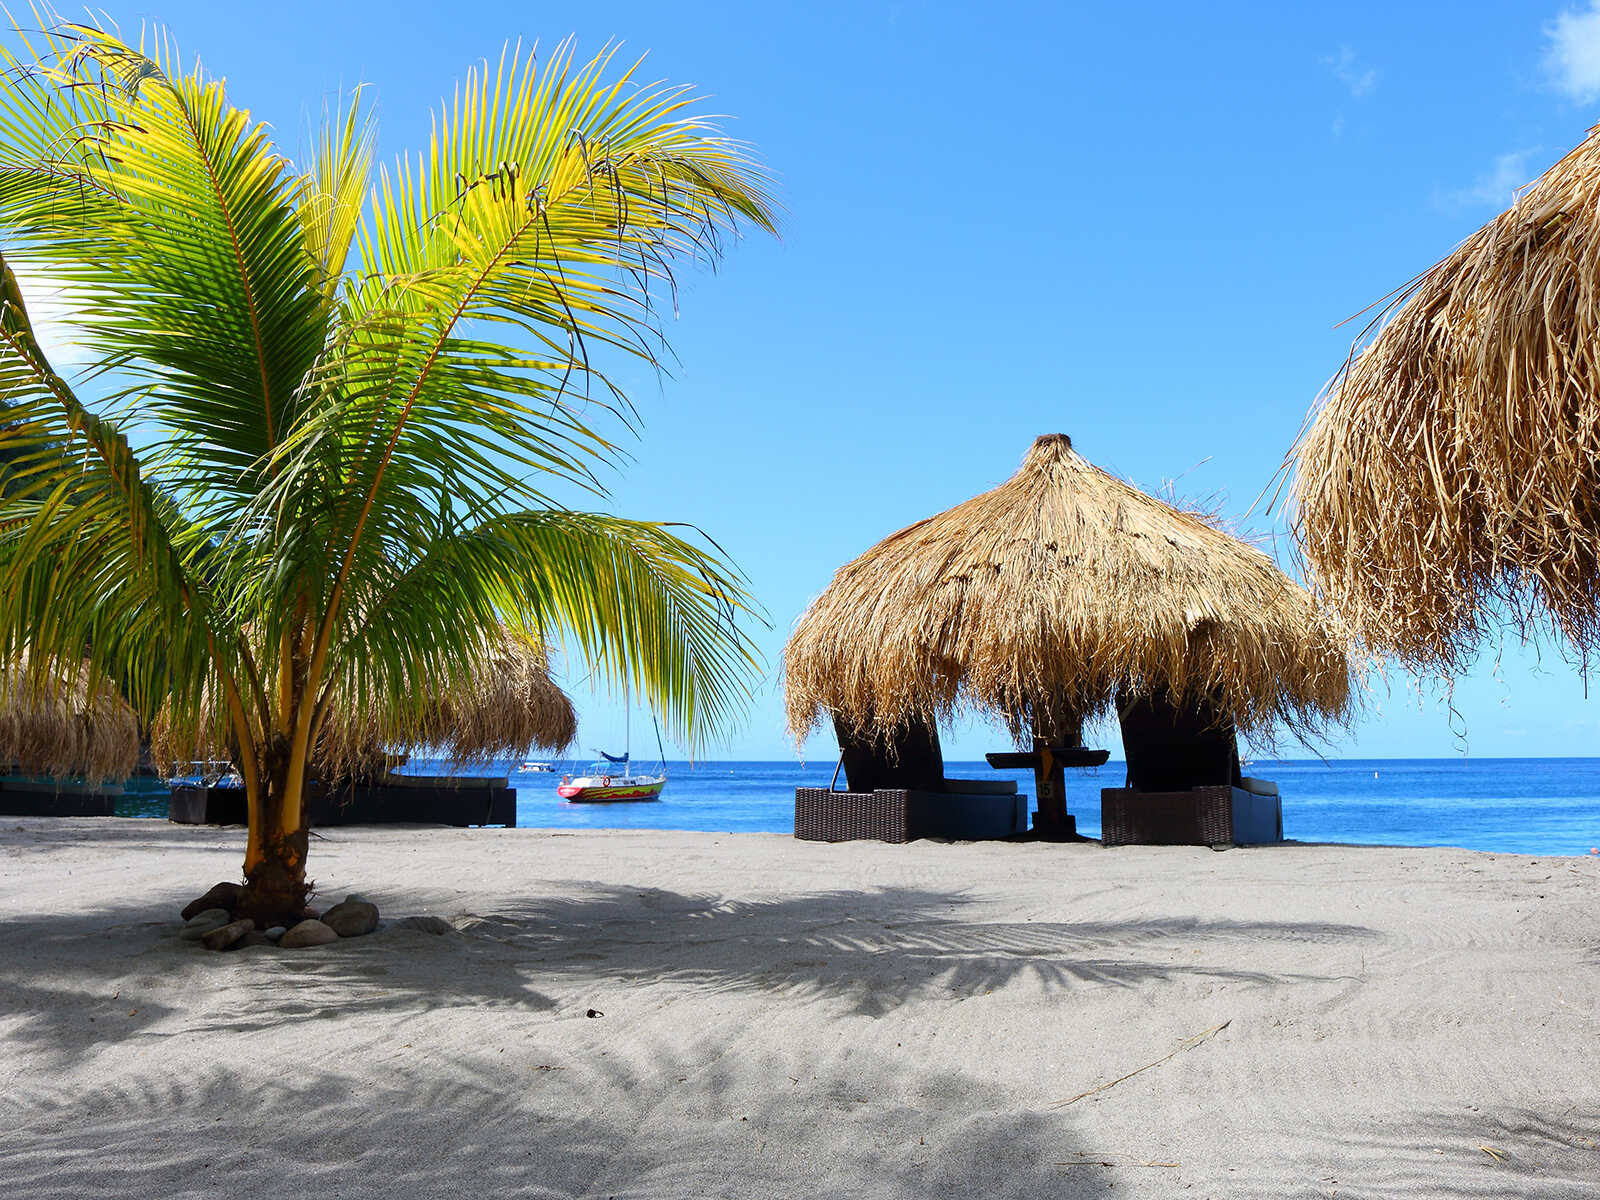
point(67, 1024)
point(1376, 847)
point(699, 1122)
point(45, 834)
point(868, 952)
point(72, 983)
point(877, 949)
point(1487, 1154)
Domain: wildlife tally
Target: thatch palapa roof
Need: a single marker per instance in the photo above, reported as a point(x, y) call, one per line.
point(1042, 599)
point(61, 722)
point(1452, 474)
point(505, 704)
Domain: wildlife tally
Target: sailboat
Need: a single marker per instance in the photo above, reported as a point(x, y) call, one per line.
point(611, 779)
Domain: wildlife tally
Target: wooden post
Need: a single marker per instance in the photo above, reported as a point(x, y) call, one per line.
point(1049, 761)
point(1052, 821)
point(1050, 786)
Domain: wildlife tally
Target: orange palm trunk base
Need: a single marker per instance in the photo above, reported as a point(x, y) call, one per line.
point(275, 887)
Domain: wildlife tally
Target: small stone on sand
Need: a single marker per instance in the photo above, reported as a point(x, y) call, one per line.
point(223, 895)
point(308, 933)
point(202, 923)
point(226, 935)
point(352, 918)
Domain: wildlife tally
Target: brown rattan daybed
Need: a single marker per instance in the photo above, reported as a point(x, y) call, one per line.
point(1184, 784)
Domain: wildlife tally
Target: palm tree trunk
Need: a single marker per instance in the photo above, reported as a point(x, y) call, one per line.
point(275, 886)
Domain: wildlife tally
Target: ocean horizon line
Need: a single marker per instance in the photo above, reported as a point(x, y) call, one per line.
point(1320, 761)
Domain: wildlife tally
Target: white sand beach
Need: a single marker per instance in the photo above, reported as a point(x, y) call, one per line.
point(791, 1019)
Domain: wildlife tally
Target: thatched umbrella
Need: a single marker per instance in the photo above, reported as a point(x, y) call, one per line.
point(1044, 600)
point(64, 724)
point(1453, 472)
point(505, 705)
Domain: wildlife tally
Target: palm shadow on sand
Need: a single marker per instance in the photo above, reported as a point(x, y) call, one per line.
point(690, 1123)
point(875, 949)
point(866, 951)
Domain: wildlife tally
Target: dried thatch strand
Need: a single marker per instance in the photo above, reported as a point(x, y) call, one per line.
point(1041, 599)
point(63, 723)
point(502, 704)
point(512, 704)
point(1452, 474)
point(177, 742)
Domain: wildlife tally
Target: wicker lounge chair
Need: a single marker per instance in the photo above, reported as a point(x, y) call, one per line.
point(962, 810)
point(897, 791)
point(1184, 786)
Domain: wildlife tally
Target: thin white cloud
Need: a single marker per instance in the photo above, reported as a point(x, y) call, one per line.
point(1572, 57)
point(1359, 79)
point(1495, 188)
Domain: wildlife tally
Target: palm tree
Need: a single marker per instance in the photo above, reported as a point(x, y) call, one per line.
point(331, 407)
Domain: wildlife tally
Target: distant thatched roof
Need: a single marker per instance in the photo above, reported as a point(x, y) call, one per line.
point(60, 725)
point(508, 704)
point(1038, 600)
point(1454, 468)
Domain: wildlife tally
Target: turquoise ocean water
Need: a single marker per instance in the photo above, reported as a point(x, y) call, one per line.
point(1525, 806)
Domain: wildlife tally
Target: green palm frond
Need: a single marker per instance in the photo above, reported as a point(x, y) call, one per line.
point(140, 184)
point(336, 190)
point(89, 564)
point(360, 398)
point(654, 613)
point(551, 205)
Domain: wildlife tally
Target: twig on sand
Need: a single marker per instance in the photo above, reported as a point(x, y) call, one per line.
point(1497, 1155)
point(1105, 1162)
point(1188, 1044)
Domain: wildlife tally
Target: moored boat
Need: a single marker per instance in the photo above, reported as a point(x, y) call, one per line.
point(602, 784)
point(611, 778)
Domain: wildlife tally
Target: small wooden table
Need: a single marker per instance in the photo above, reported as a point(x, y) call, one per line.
point(1048, 763)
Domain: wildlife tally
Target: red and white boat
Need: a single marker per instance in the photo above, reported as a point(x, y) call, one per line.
point(612, 779)
point(608, 782)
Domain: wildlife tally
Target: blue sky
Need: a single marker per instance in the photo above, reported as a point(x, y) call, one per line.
point(1140, 226)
